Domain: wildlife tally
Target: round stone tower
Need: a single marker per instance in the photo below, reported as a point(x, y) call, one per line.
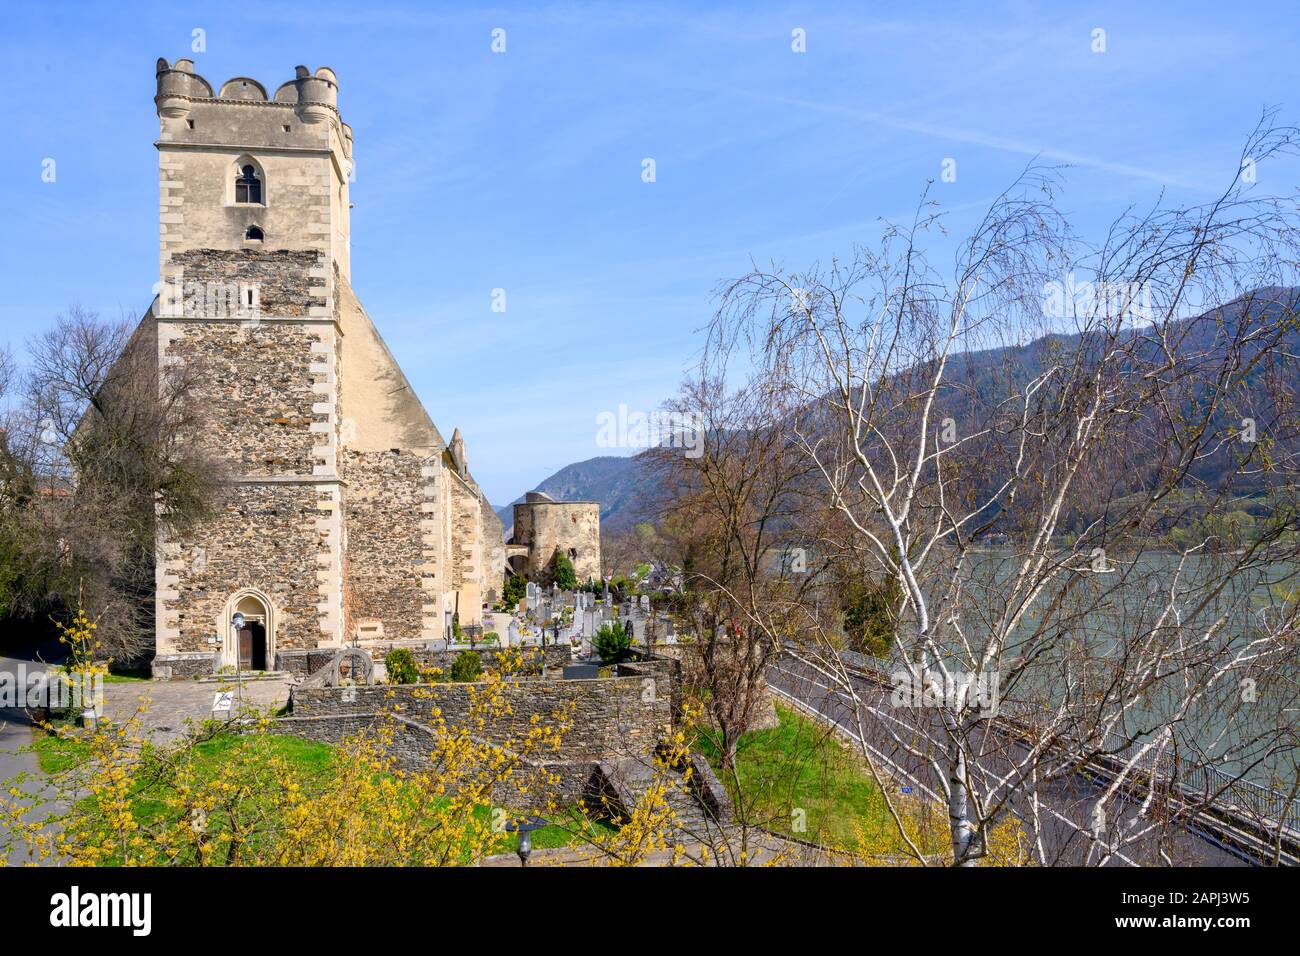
point(548, 527)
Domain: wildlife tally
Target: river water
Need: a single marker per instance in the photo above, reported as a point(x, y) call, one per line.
point(1102, 611)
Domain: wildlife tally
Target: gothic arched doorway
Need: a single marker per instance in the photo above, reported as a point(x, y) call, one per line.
point(253, 646)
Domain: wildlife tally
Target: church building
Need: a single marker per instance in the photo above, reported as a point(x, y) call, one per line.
point(344, 514)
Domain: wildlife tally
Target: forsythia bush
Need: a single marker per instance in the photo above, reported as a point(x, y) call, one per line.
point(83, 674)
point(125, 800)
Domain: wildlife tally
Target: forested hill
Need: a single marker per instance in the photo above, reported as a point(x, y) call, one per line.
point(625, 486)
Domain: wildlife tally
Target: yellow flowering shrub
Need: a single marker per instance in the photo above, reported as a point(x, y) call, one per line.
point(230, 795)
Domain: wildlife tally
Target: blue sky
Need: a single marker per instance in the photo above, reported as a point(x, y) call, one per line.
point(522, 170)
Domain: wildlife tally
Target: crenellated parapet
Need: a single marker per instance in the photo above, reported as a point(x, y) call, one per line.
point(313, 96)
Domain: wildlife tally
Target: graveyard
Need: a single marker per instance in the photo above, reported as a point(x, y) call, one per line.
point(615, 712)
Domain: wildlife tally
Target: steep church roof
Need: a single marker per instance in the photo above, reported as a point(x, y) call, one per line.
point(374, 392)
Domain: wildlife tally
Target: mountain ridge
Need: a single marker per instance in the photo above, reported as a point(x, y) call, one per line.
point(615, 481)
point(622, 484)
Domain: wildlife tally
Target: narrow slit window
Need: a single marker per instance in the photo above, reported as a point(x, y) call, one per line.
point(249, 301)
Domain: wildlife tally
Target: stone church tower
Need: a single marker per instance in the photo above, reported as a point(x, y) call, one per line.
point(345, 515)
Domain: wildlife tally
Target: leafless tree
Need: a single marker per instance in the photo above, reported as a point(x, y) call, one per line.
point(727, 513)
point(101, 435)
point(1011, 447)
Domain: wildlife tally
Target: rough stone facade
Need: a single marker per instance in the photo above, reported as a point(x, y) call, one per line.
point(412, 741)
point(626, 715)
point(385, 543)
point(256, 389)
point(545, 527)
point(263, 537)
point(345, 515)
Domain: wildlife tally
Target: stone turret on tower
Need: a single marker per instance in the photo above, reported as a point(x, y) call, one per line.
point(296, 147)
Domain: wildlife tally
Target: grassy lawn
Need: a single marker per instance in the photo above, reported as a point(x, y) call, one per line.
point(566, 830)
point(59, 753)
point(56, 754)
point(801, 766)
point(131, 677)
point(310, 762)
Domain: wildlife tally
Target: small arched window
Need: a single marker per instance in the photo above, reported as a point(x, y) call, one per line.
point(254, 234)
point(248, 188)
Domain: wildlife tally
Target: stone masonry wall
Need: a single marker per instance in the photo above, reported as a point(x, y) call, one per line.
point(185, 666)
point(383, 498)
point(256, 387)
point(555, 656)
point(412, 742)
point(611, 717)
point(303, 662)
point(262, 536)
point(282, 278)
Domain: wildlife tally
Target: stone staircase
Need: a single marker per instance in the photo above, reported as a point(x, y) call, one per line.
point(698, 802)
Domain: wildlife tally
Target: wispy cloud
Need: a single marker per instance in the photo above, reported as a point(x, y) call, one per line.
point(978, 138)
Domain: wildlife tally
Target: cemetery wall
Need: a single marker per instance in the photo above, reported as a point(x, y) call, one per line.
point(554, 657)
point(411, 741)
point(624, 715)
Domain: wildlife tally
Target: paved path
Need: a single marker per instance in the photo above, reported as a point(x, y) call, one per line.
point(168, 706)
point(16, 735)
point(1065, 805)
point(762, 849)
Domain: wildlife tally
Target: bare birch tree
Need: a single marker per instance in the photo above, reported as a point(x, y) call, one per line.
point(1013, 445)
